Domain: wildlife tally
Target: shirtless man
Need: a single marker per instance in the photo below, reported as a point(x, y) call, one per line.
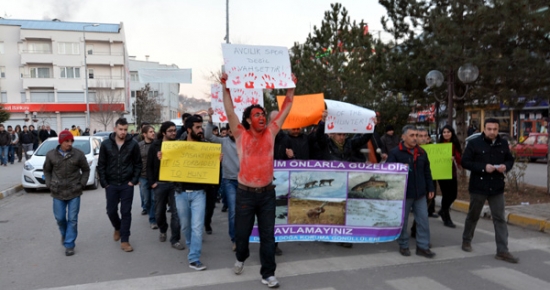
point(255, 193)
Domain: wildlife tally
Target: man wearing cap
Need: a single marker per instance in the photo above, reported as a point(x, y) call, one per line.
point(119, 167)
point(66, 171)
point(389, 140)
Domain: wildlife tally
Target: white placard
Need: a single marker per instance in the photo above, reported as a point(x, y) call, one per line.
point(257, 67)
point(242, 98)
point(348, 118)
point(165, 75)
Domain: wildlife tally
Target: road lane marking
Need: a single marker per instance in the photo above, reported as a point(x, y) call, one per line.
point(416, 283)
point(511, 279)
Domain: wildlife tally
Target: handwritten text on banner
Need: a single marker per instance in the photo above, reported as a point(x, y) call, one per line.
point(257, 67)
point(194, 162)
point(441, 162)
point(348, 118)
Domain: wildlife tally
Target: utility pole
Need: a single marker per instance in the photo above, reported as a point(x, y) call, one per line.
point(226, 21)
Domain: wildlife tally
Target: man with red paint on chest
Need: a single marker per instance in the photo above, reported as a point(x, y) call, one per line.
point(255, 139)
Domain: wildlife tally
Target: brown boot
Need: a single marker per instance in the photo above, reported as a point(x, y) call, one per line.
point(467, 246)
point(116, 236)
point(126, 247)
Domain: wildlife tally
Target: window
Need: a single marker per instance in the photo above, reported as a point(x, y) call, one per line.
point(134, 77)
point(2, 71)
point(133, 94)
point(40, 72)
point(89, 49)
point(70, 72)
point(1, 47)
point(39, 48)
point(69, 48)
point(90, 73)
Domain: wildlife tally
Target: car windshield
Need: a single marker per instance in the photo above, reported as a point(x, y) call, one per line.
point(542, 140)
point(83, 145)
point(529, 141)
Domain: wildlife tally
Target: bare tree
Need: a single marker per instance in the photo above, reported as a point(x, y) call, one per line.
point(108, 106)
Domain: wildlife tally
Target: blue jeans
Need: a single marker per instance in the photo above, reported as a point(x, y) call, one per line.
point(262, 205)
point(11, 154)
point(191, 210)
point(147, 199)
point(125, 195)
point(229, 187)
point(66, 215)
point(420, 212)
point(3, 155)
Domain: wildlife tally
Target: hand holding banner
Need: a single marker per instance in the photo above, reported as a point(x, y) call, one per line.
point(257, 67)
point(194, 162)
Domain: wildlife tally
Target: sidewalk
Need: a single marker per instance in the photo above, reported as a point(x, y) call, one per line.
point(10, 178)
point(535, 216)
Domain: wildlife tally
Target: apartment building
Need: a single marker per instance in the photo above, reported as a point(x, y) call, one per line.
point(166, 93)
point(46, 65)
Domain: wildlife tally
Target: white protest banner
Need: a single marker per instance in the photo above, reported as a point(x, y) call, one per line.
point(348, 118)
point(242, 98)
point(165, 75)
point(257, 67)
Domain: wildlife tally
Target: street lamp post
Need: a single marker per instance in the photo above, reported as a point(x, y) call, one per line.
point(467, 74)
point(86, 73)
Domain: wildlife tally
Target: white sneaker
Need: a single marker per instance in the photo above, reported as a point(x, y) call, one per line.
point(271, 282)
point(238, 268)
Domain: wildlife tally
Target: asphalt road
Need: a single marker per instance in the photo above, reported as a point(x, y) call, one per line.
point(31, 257)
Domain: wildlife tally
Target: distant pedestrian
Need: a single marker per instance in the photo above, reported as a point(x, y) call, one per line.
point(449, 187)
point(35, 140)
point(119, 167)
point(19, 147)
point(86, 132)
point(5, 141)
point(66, 171)
point(419, 185)
point(389, 140)
point(488, 158)
point(26, 138)
point(75, 131)
point(13, 146)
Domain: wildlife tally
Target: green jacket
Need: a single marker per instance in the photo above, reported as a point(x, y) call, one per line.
point(67, 175)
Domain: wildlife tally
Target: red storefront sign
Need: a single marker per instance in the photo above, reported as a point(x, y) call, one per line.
point(21, 108)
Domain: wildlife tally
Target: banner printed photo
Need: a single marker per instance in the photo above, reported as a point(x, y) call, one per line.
point(242, 98)
point(348, 118)
point(257, 67)
point(334, 201)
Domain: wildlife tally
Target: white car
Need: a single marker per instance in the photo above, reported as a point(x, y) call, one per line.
point(33, 178)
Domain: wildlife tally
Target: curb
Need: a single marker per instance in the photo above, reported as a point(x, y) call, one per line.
point(521, 220)
point(10, 191)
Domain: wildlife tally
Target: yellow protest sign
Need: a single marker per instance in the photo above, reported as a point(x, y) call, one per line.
point(306, 110)
point(441, 162)
point(194, 162)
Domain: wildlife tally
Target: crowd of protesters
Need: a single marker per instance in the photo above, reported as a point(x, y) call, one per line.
point(249, 147)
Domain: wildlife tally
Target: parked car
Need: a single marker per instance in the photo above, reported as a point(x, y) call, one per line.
point(33, 178)
point(533, 147)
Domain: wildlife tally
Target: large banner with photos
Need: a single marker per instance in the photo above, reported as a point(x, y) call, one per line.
point(334, 201)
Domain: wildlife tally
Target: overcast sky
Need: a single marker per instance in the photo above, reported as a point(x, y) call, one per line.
point(188, 33)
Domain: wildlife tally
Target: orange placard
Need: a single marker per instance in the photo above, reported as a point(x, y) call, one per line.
point(306, 110)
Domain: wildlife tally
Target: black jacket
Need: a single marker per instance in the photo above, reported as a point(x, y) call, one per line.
point(282, 142)
point(153, 163)
point(419, 181)
point(26, 137)
point(300, 146)
point(117, 167)
point(478, 153)
point(352, 145)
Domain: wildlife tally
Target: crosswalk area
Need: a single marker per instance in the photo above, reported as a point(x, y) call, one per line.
point(452, 269)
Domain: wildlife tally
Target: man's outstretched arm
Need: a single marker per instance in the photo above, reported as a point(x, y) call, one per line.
point(228, 106)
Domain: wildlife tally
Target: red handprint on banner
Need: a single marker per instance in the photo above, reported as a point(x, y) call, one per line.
point(236, 81)
point(249, 79)
point(268, 82)
point(221, 114)
point(330, 126)
point(215, 95)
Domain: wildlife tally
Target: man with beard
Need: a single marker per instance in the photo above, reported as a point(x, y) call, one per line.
point(191, 203)
point(256, 194)
point(119, 167)
point(230, 171)
point(163, 191)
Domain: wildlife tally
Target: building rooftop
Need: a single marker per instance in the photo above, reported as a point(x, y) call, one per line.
point(61, 25)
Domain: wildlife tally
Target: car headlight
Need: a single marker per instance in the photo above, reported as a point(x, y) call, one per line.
point(28, 166)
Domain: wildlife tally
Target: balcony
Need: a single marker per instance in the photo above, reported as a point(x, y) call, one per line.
point(105, 58)
point(34, 56)
point(29, 82)
point(59, 83)
point(100, 81)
